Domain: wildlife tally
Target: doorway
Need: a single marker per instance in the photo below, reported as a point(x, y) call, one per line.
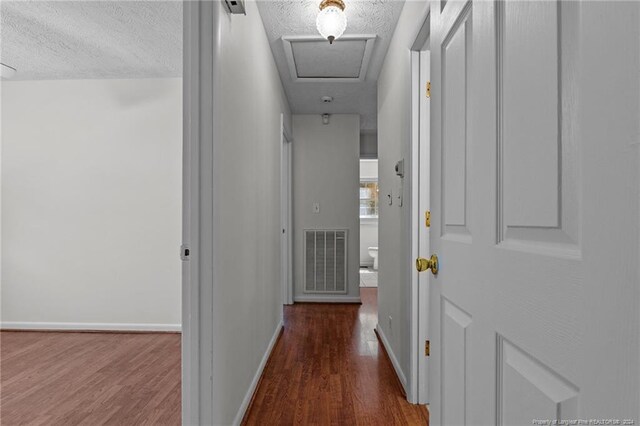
point(368, 213)
point(91, 211)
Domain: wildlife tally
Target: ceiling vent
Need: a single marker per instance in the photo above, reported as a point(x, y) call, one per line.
point(311, 59)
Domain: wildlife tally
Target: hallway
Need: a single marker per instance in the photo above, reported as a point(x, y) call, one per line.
point(329, 368)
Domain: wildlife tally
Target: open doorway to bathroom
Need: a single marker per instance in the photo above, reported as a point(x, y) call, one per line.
point(369, 223)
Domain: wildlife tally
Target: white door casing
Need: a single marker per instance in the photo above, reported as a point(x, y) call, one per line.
point(423, 233)
point(286, 244)
point(420, 204)
point(534, 314)
point(417, 380)
point(201, 83)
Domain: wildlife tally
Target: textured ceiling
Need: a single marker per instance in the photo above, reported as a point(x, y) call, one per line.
point(296, 18)
point(91, 39)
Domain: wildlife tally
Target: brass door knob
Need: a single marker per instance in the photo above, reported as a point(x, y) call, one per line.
point(423, 264)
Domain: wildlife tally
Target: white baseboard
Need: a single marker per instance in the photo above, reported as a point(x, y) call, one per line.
point(394, 360)
point(327, 299)
point(256, 378)
point(87, 326)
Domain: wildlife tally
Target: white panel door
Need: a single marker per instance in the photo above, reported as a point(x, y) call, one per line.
point(534, 314)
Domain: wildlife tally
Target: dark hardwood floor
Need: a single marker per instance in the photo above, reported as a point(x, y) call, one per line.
point(328, 368)
point(89, 379)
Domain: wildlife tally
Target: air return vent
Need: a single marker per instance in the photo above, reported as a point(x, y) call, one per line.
point(325, 266)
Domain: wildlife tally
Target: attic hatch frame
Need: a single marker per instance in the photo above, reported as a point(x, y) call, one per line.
point(287, 43)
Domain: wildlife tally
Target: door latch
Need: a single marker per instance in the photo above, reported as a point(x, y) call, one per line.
point(427, 218)
point(184, 252)
point(427, 348)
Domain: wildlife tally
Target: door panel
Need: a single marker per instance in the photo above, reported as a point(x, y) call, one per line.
point(534, 176)
point(454, 353)
point(537, 211)
point(455, 52)
point(530, 121)
point(528, 390)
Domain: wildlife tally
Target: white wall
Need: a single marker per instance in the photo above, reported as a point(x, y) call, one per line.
point(247, 299)
point(394, 136)
point(91, 203)
point(368, 227)
point(369, 170)
point(326, 171)
point(368, 144)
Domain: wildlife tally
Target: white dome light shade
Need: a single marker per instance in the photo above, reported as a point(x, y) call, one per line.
point(331, 23)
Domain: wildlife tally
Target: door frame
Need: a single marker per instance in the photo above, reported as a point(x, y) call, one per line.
point(201, 55)
point(286, 203)
point(417, 386)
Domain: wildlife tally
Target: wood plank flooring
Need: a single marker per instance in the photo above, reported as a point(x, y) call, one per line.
point(328, 368)
point(49, 378)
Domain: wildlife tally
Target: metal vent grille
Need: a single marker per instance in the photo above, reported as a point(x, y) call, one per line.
point(325, 266)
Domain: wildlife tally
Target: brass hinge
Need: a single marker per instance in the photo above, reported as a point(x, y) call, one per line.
point(427, 349)
point(428, 89)
point(427, 219)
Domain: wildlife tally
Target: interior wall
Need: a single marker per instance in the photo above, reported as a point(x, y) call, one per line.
point(394, 137)
point(368, 226)
point(326, 171)
point(247, 292)
point(91, 204)
point(368, 144)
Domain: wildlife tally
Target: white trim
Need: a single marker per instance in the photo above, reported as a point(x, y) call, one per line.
point(418, 36)
point(367, 220)
point(418, 332)
point(202, 21)
point(414, 378)
point(369, 39)
point(392, 357)
point(88, 326)
point(327, 299)
point(286, 214)
point(190, 214)
point(256, 378)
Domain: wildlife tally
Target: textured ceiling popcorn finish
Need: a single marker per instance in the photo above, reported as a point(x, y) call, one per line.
point(143, 39)
point(298, 18)
point(92, 39)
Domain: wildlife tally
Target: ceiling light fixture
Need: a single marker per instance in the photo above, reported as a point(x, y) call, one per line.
point(331, 21)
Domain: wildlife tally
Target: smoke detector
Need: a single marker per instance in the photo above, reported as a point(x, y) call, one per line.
point(327, 99)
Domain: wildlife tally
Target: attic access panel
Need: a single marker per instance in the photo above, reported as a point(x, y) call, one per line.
point(312, 59)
